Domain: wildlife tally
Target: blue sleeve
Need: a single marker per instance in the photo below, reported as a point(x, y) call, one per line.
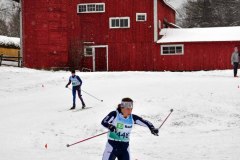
point(79, 80)
point(69, 81)
point(142, 122)
point(109, 119)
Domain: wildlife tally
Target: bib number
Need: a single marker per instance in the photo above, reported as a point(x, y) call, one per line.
point(123, 135)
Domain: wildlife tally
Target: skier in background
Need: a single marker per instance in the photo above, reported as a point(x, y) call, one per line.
point(76, 87)
point(120, 123)
point(235, 61)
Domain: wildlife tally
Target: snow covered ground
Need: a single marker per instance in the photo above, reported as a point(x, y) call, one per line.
point(205, 124)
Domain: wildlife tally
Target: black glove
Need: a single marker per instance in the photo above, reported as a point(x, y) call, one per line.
point(66, 86)
point(154, 131)
point(112, 128)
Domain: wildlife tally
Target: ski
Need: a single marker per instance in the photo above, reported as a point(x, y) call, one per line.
point(75, 110)
point(81, 109)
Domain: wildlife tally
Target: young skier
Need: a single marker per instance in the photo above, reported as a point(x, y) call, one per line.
point(76, 87)
point(120, 123)
point(235, 61)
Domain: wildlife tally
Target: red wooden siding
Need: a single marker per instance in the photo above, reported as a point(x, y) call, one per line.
point(129, 48)
point(199, 56)
point(54, 36)
point(45, 33)
point(100, 59)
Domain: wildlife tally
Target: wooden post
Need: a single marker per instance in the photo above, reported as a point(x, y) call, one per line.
point(1, 59)
point(19, 59)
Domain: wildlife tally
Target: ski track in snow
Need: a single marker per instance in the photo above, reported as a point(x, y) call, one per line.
point(205, 124)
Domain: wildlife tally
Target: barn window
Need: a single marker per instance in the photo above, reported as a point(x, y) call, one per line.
point(119, 22)
point(82, 8)
point(172, 49)
point(99, 7)
point(88, 51)
point(91, 8)
point(141, 17)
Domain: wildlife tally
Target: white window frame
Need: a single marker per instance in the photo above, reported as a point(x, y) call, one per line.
point(172, 45)
point(141, 14)
point(85, 51)
point(87, 11)
point(119, 18)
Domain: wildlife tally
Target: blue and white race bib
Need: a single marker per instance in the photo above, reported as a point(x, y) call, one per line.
point(124, 127)
point(75, 81)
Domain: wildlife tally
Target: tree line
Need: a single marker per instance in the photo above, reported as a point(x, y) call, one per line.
point(10, 20)
point(194, 13)
point(210, 13)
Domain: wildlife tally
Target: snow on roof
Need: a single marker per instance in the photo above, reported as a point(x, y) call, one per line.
point(169, 5)
point(176, 26)
point(214, 34)
point(9, 41)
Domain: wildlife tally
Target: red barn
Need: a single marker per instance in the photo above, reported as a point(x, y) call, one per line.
point(192, 49)
point(100, 35)
point(125, 35)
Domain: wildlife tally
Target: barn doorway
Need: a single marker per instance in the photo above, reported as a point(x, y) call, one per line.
point(99, 57)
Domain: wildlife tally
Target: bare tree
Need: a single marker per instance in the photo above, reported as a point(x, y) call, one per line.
point(3, 28)
point(3, 24)
point(14, 24)
point(210, 13)
point(76, 53)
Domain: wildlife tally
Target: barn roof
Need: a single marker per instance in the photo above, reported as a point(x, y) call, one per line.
point(169, 5)
point(214, 34)
point(9, 42)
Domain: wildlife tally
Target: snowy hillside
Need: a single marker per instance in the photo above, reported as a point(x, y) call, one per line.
point(205, 124)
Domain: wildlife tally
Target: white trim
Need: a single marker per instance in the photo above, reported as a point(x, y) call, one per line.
point(173, 45)
point(88, 42)
point(86, 4)
point(159, 25)
point(93, 59)
point(175, 25)
point(110, 20)
point(21, 32)
point(141, 14)
point(107, 56)
point(85, 51)
point(94, 53)
point(98, 46)
point(155, 20)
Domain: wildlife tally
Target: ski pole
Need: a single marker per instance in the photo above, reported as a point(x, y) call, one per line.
point(89, 95)
point(92, 96)
point(69, 145)
point(165, 119)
